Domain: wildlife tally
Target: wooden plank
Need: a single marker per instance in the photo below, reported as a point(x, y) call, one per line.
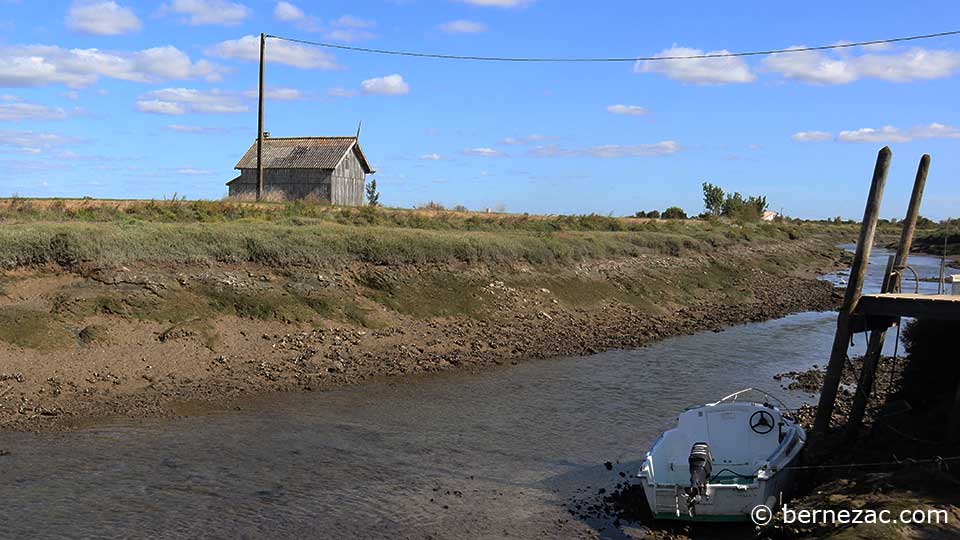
point(940, 306)
point(861, 323)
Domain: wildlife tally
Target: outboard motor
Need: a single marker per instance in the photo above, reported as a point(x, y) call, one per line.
point(701, 468)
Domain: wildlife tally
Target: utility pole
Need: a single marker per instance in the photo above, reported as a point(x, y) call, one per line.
point(263, 42)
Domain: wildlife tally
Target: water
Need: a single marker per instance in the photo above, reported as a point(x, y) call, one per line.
point(491, 455)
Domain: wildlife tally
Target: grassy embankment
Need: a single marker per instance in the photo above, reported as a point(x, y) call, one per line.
point(943, 239)
point(37, 232)
point(82, 237)
point(119, 307)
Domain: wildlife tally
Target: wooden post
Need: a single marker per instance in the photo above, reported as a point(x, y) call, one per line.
point(891, 283)
point(263, 43)
point(841, 340)
point(870, 360)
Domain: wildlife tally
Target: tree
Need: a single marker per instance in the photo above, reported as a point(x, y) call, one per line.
point(653, 214)
point(744, 209)
point(674, 212)
point(373, 196)
point(713, 199)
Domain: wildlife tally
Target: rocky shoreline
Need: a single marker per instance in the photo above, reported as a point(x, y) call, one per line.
point(130, 367)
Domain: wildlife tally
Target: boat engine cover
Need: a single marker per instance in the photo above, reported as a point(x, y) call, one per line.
point(701, 468)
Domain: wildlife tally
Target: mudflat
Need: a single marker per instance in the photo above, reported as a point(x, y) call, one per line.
point(98, 340)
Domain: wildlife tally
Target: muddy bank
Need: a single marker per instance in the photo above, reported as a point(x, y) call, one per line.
point(151, 342)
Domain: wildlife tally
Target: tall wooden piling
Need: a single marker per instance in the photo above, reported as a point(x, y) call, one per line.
point(841, 340)
point(891, 283)
point(870, 359)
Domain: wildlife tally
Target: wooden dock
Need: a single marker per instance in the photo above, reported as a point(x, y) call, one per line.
point(878, 312)
point(917, 306)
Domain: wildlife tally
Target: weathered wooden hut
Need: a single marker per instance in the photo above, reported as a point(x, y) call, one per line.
point(332, 169)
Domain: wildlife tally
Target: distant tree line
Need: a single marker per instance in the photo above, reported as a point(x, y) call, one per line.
point(732, 205)
point(717, 204)
point(674, 212)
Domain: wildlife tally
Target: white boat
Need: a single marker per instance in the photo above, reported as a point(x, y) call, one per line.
point(722, 460)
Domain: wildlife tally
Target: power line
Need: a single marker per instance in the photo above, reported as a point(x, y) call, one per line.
point(612, 59)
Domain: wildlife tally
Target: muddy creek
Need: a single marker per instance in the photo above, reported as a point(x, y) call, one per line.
point(491, 455)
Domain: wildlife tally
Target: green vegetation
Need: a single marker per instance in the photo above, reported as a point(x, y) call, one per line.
point(69, 233)
point(734, 205)
point(440, 294)
point(939, 239)
point(373, 196)
point(674, 212)
point(32, 329)
point(713, 199)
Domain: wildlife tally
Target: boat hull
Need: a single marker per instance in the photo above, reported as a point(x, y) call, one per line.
point(725, 503)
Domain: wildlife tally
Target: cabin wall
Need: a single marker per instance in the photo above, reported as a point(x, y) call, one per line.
point(348, 181)
point(293, 183)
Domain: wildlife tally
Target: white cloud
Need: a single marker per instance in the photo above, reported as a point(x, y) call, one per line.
point(890, 134)
point(529, 139)
point(32, 142)
point(42, 65)
point(609, 151)
point(390, 85)
point(202, 12)
point(498, 3)
point(102, 18)
point(171, 63)
point(811, 136)
point(551, 151)
point(812, 67)
point(349, 28)
point(698, 70)
point(935, 131)
point(277, 94)
point(911, 65)
point(816, 67)
point(877, 47)
point(156, 106)
point(349, 21)
point(287, 12)
point(431, 157)
point(340, 92)
point(634, 150)
point(482, 152)
point(281, 52)
point(290, 13)
point(462, 26)
point(882, 135)
point(629, 110)
point(349, 35)
point(16, 111)
point(190, 171)
point(176, 101)
point(180, 128)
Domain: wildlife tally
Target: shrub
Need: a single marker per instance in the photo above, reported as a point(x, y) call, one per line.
point(674, 212)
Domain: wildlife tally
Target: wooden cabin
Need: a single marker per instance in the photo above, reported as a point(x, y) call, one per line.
point(330, 169)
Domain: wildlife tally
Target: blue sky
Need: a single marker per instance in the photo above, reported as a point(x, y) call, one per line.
point(141, 99)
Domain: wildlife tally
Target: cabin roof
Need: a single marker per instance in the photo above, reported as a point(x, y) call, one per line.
point(303, 153)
